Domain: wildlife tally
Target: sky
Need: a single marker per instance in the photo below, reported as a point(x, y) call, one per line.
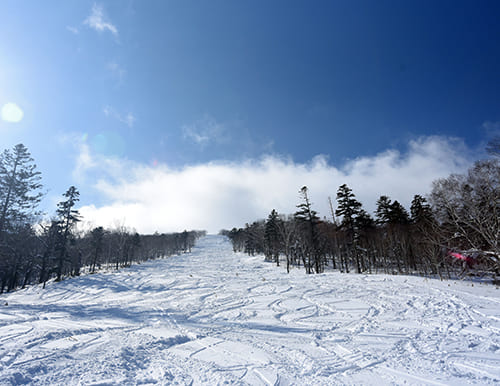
point(172, 115)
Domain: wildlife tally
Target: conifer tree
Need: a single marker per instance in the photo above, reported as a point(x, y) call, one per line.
point(363, 221)
point(308, 220)
point(271, 237)
point(398, 214)
point(348, 207)
point(383, 210)
point(19, 188)
point(68, 217)
point(420, 210)
point(96, 241)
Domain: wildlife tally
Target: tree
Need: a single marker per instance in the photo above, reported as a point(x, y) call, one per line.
point(308, 220)
point(19, 197)
point(398, 214)
point(133, 242)
point(420, 210)
point(493, 146)
point(348, 207)
point(184, 240)
point(96, 241)
point(388, 212)
point(255, 237)
point(238, 239)
point(287, 230)
point(68, 217)
point(468, 207)
point(19, 188)
point(271, 237)
point(18, 257)
point(364, 221)
point(425, 235)
point(51, 241)
point(382, 213)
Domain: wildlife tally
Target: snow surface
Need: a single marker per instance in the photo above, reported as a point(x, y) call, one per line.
point(215, 317)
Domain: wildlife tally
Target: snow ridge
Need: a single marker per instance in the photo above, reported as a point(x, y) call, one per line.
point(214, 317)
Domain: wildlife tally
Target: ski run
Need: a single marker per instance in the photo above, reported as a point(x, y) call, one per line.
point(215, 317)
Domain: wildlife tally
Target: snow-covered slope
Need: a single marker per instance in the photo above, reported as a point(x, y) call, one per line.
point(213, 317)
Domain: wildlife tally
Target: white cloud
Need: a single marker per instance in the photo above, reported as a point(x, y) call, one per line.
point(210, 132)
point(117, 71)
point(492, 128)
point(89, 165)
point(11, 113)
point(83, 162)
point(98, 21)
point(206, 130)
point(73, 30)
point(220, 195)
point(128, 119)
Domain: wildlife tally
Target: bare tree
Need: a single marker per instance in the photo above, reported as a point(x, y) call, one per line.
point(493, 146)
point(468, 206)
point(287, 233)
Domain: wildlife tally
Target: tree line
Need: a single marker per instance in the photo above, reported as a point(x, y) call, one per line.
point(33, 251)
point(454, 231)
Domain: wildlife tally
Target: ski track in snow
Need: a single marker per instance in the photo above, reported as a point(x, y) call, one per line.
point(215, 317)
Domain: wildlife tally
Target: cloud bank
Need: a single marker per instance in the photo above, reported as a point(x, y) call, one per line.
point(221, 195)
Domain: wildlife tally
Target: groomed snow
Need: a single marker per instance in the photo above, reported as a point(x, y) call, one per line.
point(214, 317)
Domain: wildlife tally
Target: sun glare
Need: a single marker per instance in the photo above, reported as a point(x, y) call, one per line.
point(11, 113)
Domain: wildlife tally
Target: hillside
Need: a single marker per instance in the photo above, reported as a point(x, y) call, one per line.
point(213, 317)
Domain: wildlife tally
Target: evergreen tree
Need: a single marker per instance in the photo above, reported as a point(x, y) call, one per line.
point(254, 242)
point(348, 207)
point(96, 241)
point(68, 217)
point(133, 242)
point(364, 221)
point(19, 188)
point(420, 210)
point(271, 237)
point(398, 214)
point(19, 197)
point(308, 220)
point(383, 210)
point(388, 212)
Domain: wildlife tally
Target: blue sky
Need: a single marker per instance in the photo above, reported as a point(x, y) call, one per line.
point(184, 107)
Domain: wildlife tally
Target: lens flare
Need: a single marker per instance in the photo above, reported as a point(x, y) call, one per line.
point(109, 143)
point(11, 113)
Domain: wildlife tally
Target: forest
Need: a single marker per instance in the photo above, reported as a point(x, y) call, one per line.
point(35, 251)
point(453, 232)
